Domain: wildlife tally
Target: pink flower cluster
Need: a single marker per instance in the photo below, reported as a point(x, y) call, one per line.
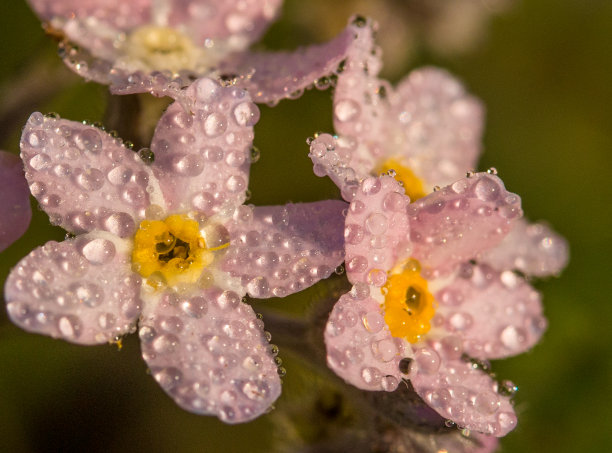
point(164, 244)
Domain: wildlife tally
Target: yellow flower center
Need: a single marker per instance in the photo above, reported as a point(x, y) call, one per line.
point(171, 251)
point(408, 305)
point(412, 184)
point(163, 48)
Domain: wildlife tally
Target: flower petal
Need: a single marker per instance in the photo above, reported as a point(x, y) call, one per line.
point(360, 348)
point(460, 391)
point(359, 114)
point(440, 126)
point(455, 224)
point(15, 211)
point(360, 98)
point(202, 157)
point(496, 314)
point(237, 21)
point(84, 178)
point(209, 353)
point(376, 230)
point(273, 76)
point(117, 13)
point(279, 250)
point(81, 290)
point(532, 248)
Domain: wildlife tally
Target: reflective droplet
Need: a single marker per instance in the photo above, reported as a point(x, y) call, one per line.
point(215, 124)
point(246, 114)
point(487, 189)
point(346, 110)
point(91, 179)
point(98, 251)
point(89, 140)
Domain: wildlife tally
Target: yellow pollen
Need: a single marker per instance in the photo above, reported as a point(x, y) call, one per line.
point(412, 184)
point(171, 251)
point(408, 305)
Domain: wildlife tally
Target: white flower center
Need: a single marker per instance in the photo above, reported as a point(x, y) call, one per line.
point(155, 48)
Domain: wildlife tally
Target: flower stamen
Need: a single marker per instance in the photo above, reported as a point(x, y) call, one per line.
point(171, 251)
point(408, 305)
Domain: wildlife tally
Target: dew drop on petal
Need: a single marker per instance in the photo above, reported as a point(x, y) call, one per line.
point(346, 110)
point(215, 124)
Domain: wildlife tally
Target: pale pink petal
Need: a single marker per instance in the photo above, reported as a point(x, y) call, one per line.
point(81, 290)
point(435, 126)
point(117, 13)
point(360, 98)
point(376, 230)
point(240, 21)
point(202, 156)
point(459, 390)
point(94, 27)
point(272, 76)
point(15, 211)
point(496, 315)
point(209, 353)
point(531, 248)
point(360, 348)
point(84, 178)
point(360, 106)
point(428, 124)
point(279, 250)
point(456, 223)
point(85, 64)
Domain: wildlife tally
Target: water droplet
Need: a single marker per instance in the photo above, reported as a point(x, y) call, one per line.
point(188, 164)
point(168, 377)
point(427, 360)
point(70, 326)
point(91, 179)
point(255, 154)
point(98, 251)
point(359, 21)
point(513, 337)
point(215, 124)
point(487, 189)
point(146, 155)
point(246, 114)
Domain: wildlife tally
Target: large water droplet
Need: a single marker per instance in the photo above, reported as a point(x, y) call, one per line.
point(215, 124)
point(346, 110)
point(89, 140)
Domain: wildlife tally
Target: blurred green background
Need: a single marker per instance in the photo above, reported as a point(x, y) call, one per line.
point(544, 70)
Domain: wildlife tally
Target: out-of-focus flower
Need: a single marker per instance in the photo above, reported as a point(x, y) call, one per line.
point(443, 27)
point(427, 132)
point(163, 240)
point(15, 211)
point(424, 307)
point(160, 46)
point(428, 129)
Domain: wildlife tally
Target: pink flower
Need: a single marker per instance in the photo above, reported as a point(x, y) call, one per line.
point(168, 244)
point(15, 211)
point(425, 307)
point(160, 46)
point(429, 126)
point(427, 131)
point(434, 292)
